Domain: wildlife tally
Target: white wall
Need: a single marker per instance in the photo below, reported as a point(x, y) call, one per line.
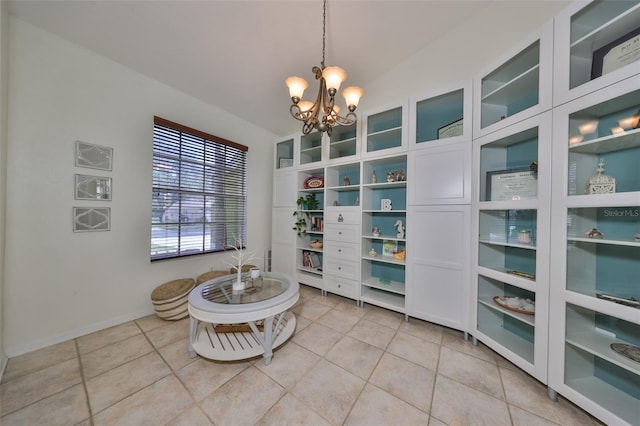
point(464, 52)
point(60, 284)
point(4, 55)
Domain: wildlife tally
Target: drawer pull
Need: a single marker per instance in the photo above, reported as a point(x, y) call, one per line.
point(340, 218)
point(339, 250)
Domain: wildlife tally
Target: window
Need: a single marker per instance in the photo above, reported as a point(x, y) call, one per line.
point(199, 200)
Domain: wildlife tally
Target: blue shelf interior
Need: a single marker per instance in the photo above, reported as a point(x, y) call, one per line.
point(388, 271)
point(434, 113)
point(386, 221)
point(609, 372)
point(398, 197)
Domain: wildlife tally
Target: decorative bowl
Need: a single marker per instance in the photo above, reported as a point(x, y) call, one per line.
point(316, 244)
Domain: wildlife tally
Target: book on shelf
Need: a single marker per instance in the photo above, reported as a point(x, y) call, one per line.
point(314, 260)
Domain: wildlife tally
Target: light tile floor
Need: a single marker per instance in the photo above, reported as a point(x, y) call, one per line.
point(344, 366)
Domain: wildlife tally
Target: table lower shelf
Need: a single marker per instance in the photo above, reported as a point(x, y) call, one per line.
point(240, 345)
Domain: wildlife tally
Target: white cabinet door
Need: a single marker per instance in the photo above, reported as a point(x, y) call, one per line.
point(438, 264)
point(284, 189)
point(440, 175)
point(282, 241)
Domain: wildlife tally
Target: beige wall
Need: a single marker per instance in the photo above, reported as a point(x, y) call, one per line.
point(60, 284)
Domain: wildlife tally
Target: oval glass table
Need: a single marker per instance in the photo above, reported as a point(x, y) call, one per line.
point(228, 325)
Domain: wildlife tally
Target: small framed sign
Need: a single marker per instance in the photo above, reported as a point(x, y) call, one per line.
point(515, 184)
point(620, 52)
point(285, 162)
point(451, 129)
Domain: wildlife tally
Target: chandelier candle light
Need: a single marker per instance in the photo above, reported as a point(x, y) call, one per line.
point(323, 113)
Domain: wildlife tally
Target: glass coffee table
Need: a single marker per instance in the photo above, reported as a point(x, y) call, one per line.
point(228, 325)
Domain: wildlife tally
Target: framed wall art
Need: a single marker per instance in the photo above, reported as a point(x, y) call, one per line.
point(91, 219)
point(92, 188)
point(94, 156)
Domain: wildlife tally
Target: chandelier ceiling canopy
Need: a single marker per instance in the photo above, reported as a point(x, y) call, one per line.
point(323, 114)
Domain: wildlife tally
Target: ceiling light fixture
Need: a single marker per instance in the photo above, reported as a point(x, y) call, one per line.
point(323, 113)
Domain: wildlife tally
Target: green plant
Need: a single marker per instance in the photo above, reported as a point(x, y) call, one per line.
point(305, 205)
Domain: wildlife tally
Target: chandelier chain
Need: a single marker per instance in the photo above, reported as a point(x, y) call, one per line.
point(324, 29)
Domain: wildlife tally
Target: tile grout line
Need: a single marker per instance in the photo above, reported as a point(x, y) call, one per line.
point(84, 381)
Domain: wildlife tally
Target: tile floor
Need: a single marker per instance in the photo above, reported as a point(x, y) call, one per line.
point(343, 366)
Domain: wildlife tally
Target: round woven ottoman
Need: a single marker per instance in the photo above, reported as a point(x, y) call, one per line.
point(170, 300)
point(245, 268)
point(210, 275)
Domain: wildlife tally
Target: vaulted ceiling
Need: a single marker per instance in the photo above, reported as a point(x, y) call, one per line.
point(236, 54)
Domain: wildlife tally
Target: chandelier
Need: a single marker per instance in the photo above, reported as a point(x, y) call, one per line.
point(323, 113)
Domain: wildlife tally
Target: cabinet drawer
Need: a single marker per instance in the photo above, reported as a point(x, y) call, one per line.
point(341, 216)
point(347, 233)
point(341, 250)
point(342, 268)
point(341, 286)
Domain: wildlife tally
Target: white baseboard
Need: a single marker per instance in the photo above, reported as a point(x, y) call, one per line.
point(24, 348)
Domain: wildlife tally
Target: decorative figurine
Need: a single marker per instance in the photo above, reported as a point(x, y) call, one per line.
point(391, 177)
point(636, 236)
point(601, 183)
point(595, 233)
point(372, 252)
point(374, 178)
point(399, 229)
point(346, 181)
point(399, 175)
point(376, 232)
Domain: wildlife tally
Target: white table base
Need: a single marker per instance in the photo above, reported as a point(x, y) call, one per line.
point(241, 345)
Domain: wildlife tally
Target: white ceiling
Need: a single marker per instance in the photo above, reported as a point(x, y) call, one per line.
point(236, 54)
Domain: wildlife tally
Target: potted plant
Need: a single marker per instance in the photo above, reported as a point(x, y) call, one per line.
point(305, 205)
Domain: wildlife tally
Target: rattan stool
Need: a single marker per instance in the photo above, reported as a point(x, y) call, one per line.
point(170, 300)
point(245, 268)
point(210, 275)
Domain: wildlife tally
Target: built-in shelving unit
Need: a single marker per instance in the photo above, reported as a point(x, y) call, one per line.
point(284, 155)
point(597, 249)
point(584, 33)
point(479, 158)
point(385, 131)
point(311, 148)
point(511, 221)
point(309, 260)
point(384, 210)
point(518, 87)
point(343, 143)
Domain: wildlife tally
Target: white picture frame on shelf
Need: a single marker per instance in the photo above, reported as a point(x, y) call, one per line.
point(516, 184)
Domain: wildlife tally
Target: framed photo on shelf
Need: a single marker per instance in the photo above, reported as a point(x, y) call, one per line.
point(389, 247)
point(514, 184)
point(285, 162)
point(620, 52)
point(451, 129)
